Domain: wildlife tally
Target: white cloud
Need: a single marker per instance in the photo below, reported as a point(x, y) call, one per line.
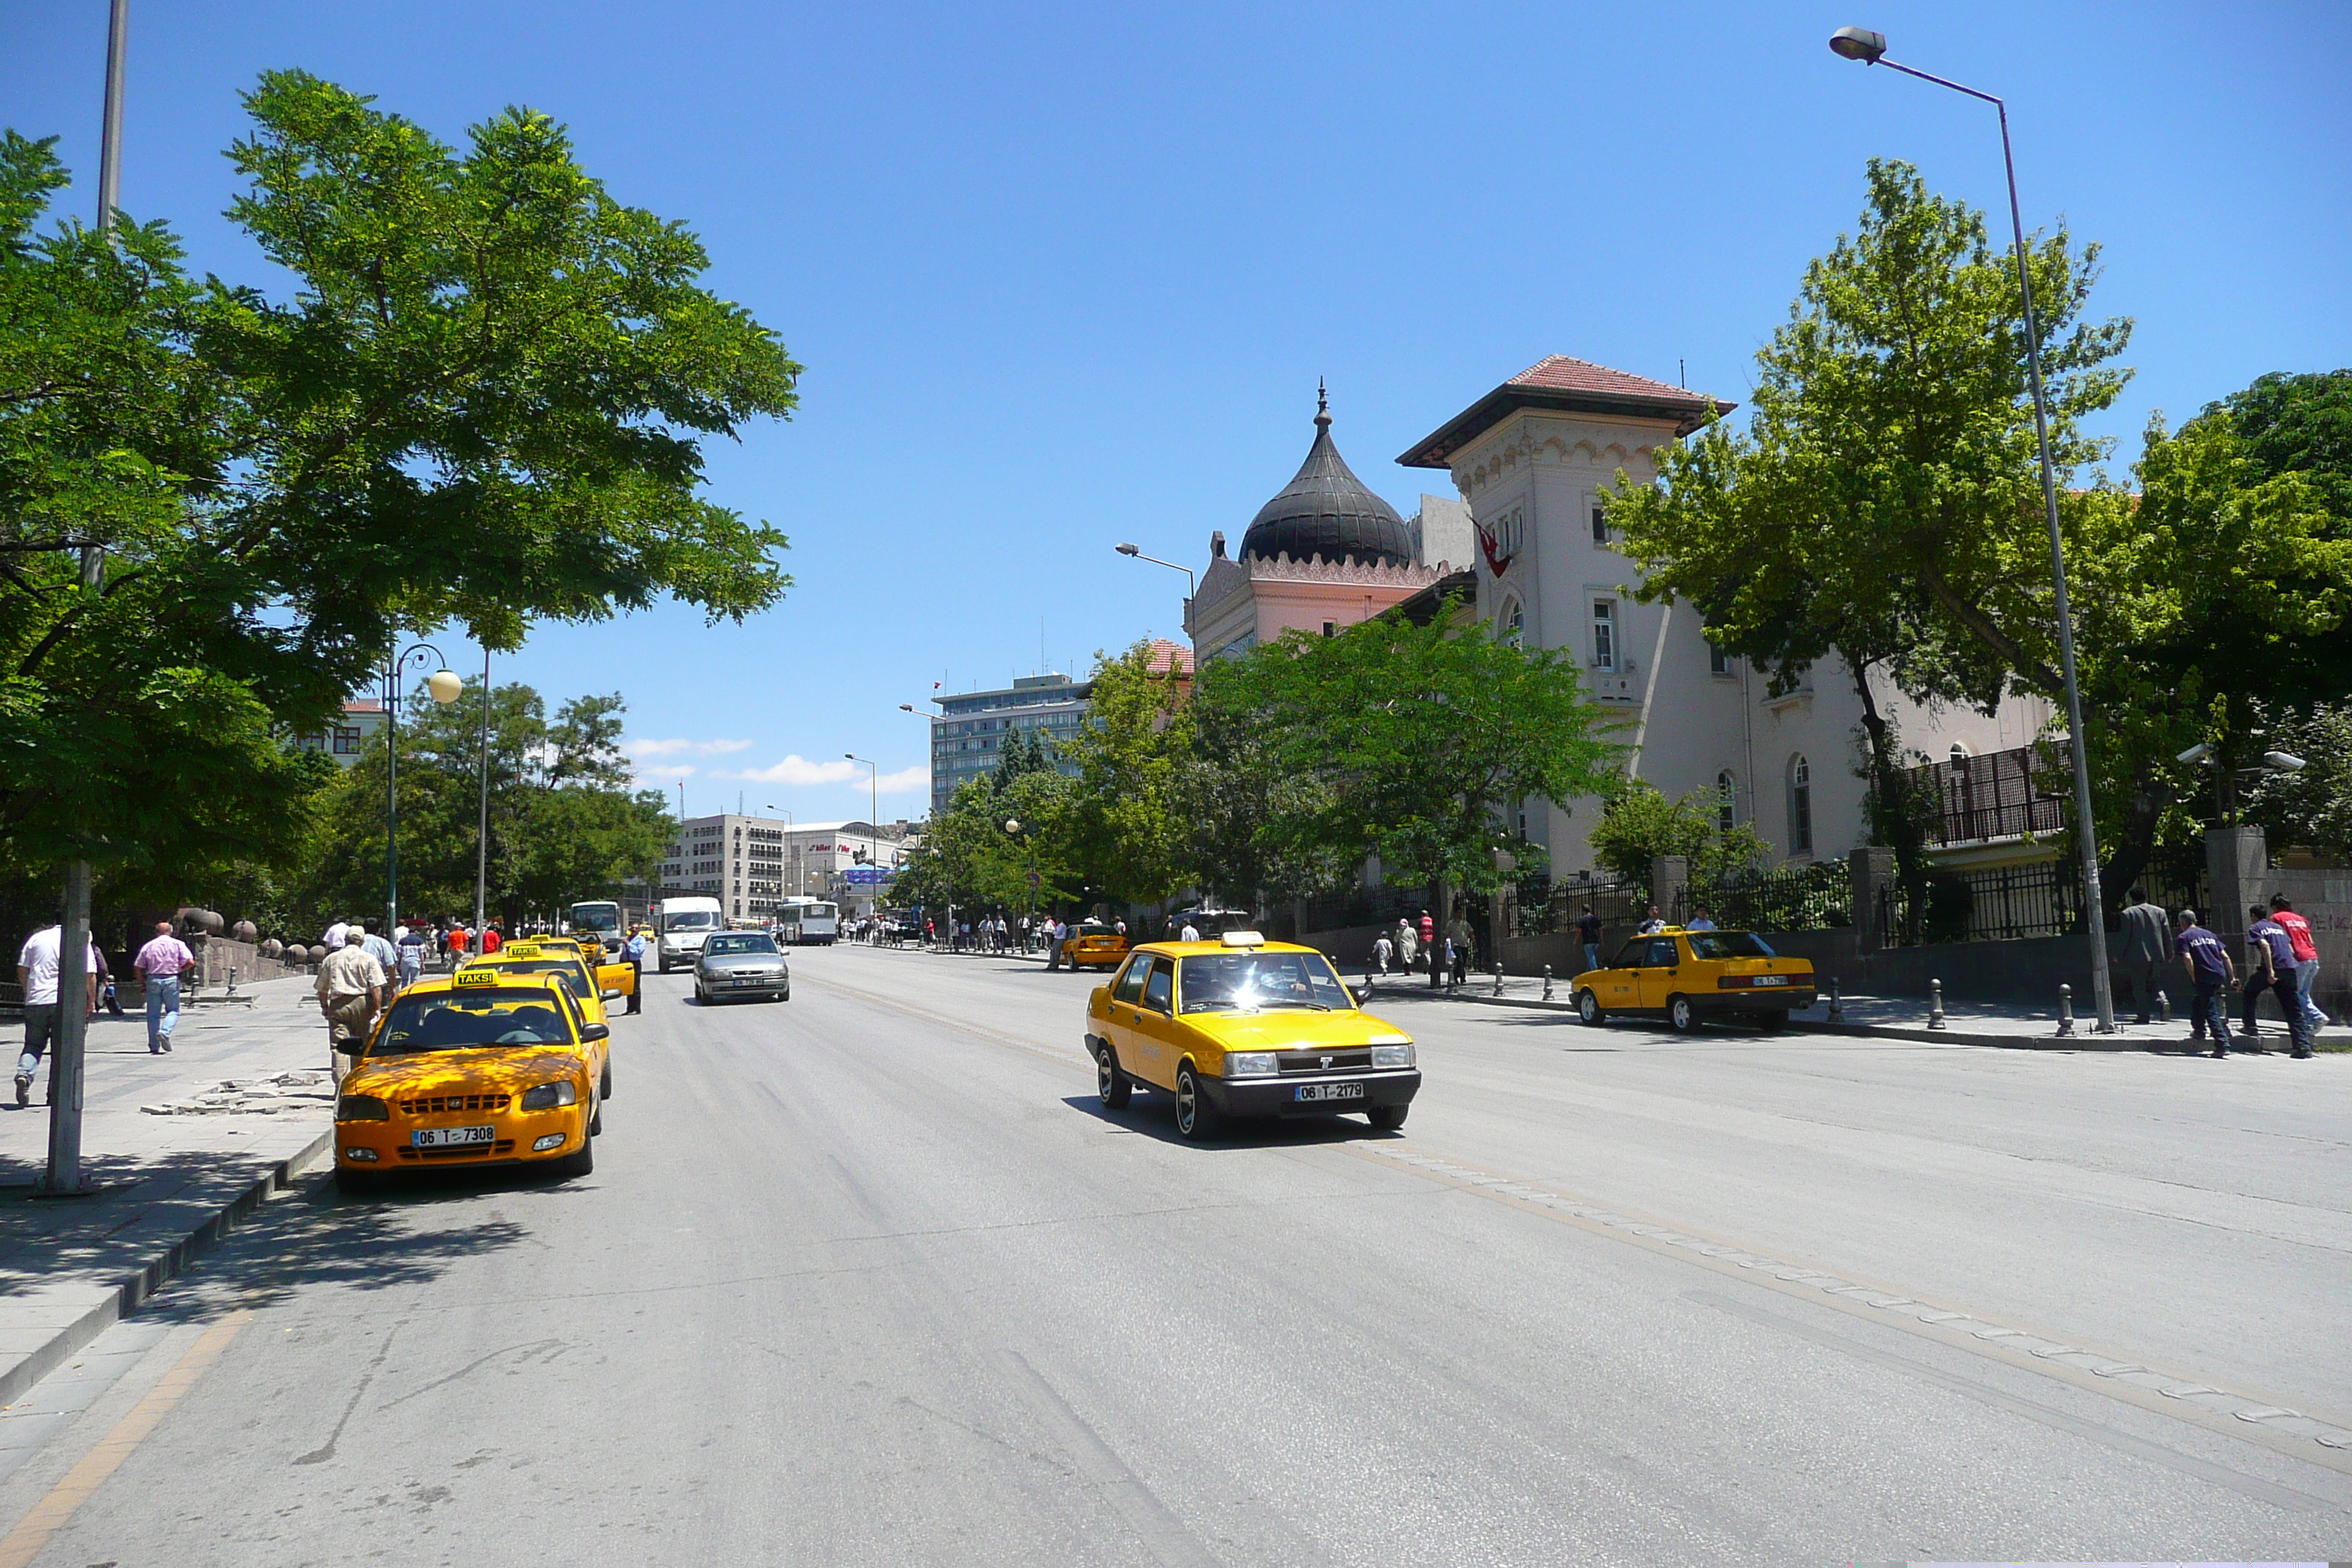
point(916, 780)
point(798, 770)
point(643, 748)
point(664, 769)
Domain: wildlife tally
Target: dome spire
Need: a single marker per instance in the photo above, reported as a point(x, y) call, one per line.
point(1322, 405)
point(1326, 510)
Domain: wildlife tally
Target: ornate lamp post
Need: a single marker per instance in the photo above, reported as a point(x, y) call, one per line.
point(445, 685)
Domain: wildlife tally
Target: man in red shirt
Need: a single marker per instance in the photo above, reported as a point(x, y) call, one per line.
point(2306, 959)
point(491, 942)
point(459, 939)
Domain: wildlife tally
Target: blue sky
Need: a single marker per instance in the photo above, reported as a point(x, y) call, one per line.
point(1065, 275)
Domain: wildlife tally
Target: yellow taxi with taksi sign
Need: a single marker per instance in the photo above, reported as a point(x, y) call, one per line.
point(1689, 977)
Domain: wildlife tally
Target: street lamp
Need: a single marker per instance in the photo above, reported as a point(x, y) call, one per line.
point(1870, 48)
point(443, 685)
point(873, 797)
point(1189, 582)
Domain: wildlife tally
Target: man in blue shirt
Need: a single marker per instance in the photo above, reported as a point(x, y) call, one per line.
point(2270, 966)
point(633, 949)
point(2207, 961)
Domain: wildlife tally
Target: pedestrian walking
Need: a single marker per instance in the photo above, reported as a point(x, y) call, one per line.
point(1700, 920)
point(491, 940)
point(1190, 933)
point(1428, 932)
point(350, 993)
point(2208, 964)
point(458, 942)
point(1056, 937)
point(1588, 933)
point(333, 941)
point(2270, 966)
point(2147, 950)
point(378, 948)
point(409, 943)
point(2306, 958)
point(36, 976)
point(1408, 944)
point(1383, 949)
point(1654, 922)
point(158, 966)
point(1464, 943)
point(633, 949)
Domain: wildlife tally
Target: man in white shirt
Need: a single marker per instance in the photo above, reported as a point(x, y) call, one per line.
point(36, 972)
point(333, 941)
point(350, 991)
point(1190, 933)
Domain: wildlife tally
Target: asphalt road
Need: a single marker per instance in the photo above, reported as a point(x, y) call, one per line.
point(868, 1277)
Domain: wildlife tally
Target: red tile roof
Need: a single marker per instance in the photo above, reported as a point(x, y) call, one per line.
point(1573, 385)
point(1171, 655)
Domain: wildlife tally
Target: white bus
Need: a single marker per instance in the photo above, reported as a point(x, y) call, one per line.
point(807, 920)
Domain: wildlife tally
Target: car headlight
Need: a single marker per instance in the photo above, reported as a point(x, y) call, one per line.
point(362, 1108)
point(1251, 1064)
point(547, 1096)
point(1393, 1055)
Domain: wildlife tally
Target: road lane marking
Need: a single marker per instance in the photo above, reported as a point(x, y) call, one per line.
point(48, 1516)
point(2322, 1442)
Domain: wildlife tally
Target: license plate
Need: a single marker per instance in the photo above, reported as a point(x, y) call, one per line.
point(1772, 980)
point(747, 979)
point(452, 1137)
point(1320, 1092)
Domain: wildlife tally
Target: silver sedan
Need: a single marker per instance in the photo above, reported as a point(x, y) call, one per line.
point(737, 965)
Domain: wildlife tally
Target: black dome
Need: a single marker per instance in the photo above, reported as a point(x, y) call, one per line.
point(1326, 510)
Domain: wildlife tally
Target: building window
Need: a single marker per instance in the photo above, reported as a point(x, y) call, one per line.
point(1600, 523)
point(1331, 628)
point(1727, 802)
point(1604, 633)
point(347, 742)
point(1800, 806)
point(1718, 661)
point(1511, 623)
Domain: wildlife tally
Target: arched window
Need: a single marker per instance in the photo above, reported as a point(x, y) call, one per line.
point(1727, 802)
point(1800, 806)
point(1510, 621)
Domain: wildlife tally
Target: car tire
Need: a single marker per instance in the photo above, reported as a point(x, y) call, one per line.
point(596, 1120)
point(1681, 1016)
point(579, 1164)
point(1588, 1008)
point(1112, 1087)
point(358, 1184)
point(1387, 1117)
point(604, 1084)
point(1772, 1020)
point(1196, 1118)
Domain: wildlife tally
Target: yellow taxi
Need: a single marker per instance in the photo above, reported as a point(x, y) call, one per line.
point(1243, 1026)
point(479, 1067)
point(1689, 977)
point(589, 986)
point(1093, 947)
point(615, 975)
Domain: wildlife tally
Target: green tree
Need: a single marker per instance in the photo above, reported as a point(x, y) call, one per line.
point(1425, 738)
point(2311, 809)
point(1237, 792)
point(1125, 828)
point(1638, 823)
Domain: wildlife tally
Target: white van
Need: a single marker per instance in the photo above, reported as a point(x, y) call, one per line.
point(680, 925)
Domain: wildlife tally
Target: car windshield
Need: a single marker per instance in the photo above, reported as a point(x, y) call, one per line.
point(1244, 981)
point(596, 919)
point(468, 1020)
point(1729, 945)
point(692, 920)
point(742, 941)
point(575, 978)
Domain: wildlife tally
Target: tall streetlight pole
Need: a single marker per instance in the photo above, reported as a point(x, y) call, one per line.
point(64, 1174)
point(1191, 584)
point(1870, 48)
point(445, 685)
point(873, 804)
point(792, 832)
point(482, 839)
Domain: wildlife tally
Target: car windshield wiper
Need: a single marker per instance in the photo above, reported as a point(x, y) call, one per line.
point(1295, 1002)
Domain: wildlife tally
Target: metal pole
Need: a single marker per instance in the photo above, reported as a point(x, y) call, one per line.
point(391, 793)
point(2085, 833)
point(109, 146)
point(482, 842)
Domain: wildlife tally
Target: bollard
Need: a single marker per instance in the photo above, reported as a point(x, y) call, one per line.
point(1547, 996)
point(1837, 1007)
point(2164, 1006)
point(1498, 979)
point(2066, 1009)
point(232, 980)
point(1934, 1004)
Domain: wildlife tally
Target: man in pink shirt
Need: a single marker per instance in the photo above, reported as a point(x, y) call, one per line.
point(158, 966)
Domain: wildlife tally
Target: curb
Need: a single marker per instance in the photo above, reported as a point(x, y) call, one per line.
point(133, 1290)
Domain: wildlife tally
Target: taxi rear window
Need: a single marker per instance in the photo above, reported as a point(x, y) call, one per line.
point(468, 1020)
point(1729, 945)
point(569, 968)
point(1241, 980)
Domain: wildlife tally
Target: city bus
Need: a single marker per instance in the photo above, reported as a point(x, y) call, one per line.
point(807, 922)
point(599, 918)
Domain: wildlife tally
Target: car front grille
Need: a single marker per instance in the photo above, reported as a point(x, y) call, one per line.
point(1323, 1061)
point(455, 1102)
point(462, 1152)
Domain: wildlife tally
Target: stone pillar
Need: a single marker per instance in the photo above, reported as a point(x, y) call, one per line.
point(2238, 870)
point(1669, 876)
point(1869, 870)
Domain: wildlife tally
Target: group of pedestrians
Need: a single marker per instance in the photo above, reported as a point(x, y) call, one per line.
point(1414, 944)
point(2282, 959)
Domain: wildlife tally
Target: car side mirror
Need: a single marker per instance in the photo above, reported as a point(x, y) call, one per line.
point(1099, 1000)
point(612, 992)
point(595, 1032)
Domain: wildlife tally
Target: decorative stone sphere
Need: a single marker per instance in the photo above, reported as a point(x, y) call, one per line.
point(297, 955)
point(212, 921)
point(272, 948)
point(245, 930)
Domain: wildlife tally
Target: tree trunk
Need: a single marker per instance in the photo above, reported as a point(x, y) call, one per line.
point(1886, 788)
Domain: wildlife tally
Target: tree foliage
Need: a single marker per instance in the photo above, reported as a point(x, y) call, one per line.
point(1125, 826)
point(1638, 823)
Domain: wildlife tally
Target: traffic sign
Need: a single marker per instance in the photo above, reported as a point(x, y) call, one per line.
point(869, 876)
point(1035, 881)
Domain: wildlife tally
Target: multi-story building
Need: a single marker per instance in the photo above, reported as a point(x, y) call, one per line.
point(750, 863)
point(348, 736)
point(969, 732)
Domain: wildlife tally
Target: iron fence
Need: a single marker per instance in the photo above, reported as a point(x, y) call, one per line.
point(1379, 906)
point(2001, 903)
point(1816, 897)
point(1997, 795)
point(1615, 900)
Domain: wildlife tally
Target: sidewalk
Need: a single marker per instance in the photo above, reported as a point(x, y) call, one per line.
point(248, 1103)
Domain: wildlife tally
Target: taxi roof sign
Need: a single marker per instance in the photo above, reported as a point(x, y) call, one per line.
point(471, 978)
point(1243, 939)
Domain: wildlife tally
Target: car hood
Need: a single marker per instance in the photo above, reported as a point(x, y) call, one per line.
point(491, 1069)
point(1292, 1029)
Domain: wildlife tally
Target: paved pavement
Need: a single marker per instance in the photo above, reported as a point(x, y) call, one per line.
point(867, 1277)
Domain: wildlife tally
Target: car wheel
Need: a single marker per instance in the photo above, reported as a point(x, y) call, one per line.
point(596, 1120)
point(579, 1164)
point(604, 1084)
point(1196, 1118)
point(1681, 1016)
point(1772, 1020)
point(354, 1184)
point(1112, 1087)
point(1387, 1117)
point(1588, 1008)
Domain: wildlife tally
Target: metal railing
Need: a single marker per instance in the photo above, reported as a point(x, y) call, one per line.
point(1997, 795)
point(1364, 906)
point(1814, 897)
point(1563, 904)
point(2005, 902)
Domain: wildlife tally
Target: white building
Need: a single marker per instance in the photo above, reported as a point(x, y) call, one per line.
point(1533, 459)
point(751, 863)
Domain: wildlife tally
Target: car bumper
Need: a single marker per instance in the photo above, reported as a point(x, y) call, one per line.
point(394, 1150)
point(1772, 1000)
point(726, 991)
point(1279, 1096)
